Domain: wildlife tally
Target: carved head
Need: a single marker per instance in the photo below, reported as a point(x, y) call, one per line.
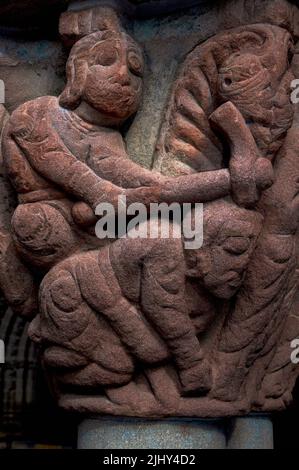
point(105, 70)
point(249, 66)
point(230, 235)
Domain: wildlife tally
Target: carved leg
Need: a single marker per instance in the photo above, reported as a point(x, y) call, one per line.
point(100, 287)
point(230, 372)
point(163, 302)
point(80, 346)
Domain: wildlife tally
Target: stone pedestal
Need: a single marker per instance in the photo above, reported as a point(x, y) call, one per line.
point(124, 433)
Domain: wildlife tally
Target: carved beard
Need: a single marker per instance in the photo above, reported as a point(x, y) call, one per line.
point(114, 99)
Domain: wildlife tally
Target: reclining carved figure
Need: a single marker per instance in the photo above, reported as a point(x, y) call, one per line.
point(139, 287)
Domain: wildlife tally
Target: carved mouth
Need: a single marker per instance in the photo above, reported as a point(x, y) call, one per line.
point(234, 280)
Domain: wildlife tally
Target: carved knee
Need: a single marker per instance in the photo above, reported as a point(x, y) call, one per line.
point(67, 320)
point(41, 233)
point(63, 314)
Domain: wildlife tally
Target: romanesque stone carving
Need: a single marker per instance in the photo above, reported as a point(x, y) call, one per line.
point(146, 327)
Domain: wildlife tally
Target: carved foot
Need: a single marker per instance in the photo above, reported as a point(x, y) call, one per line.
point(197, 378)
point(228, 382)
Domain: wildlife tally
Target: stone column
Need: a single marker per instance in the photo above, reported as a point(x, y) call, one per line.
point(249, 432)
point(253, 432)
point(126, 433)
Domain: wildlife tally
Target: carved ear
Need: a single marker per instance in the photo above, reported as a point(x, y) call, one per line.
point(77, 69)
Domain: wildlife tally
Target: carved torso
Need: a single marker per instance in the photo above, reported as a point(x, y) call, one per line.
point(89, 144)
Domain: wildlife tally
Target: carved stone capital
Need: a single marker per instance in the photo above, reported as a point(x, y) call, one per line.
point(146, 326)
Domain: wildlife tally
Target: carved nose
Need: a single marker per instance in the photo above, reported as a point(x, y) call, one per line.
point(123, 76)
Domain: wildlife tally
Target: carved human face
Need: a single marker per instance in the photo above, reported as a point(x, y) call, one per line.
point(261, 95)
point(226, 262)
point(222, 262)
point(245, 81)
point(113, 84)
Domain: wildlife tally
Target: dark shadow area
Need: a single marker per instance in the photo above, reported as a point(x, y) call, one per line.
point(40, 425)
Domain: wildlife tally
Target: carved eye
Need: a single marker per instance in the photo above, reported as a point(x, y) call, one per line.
point(236, 245)
point(135, 64)
point(107, 56)
point(228, 81)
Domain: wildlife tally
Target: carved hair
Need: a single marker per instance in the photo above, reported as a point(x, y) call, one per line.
point(225, 213)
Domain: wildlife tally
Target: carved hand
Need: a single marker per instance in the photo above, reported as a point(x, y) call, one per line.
point(250, 173)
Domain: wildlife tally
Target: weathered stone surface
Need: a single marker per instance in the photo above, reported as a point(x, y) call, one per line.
point(30, 69)
point(146, 327)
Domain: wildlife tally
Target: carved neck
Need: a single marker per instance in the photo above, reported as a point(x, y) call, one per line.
point(94, 117)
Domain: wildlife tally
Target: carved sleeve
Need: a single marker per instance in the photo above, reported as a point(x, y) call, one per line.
point(198, 187)
point(33, 133)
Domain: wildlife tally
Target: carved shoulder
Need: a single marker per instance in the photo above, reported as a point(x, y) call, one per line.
point(25, 118)
point(23, 126)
